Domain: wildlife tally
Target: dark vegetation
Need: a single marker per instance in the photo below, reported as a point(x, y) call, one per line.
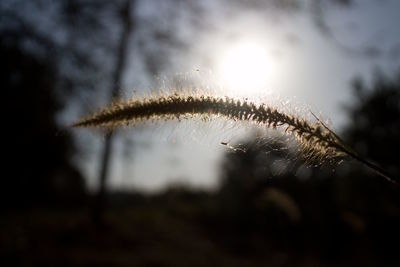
point(294, 217)
point(268, 210)
point(37, 157)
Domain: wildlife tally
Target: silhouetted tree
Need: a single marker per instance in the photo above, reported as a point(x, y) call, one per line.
point(127, 24)
point(36, 160)
point(374, 128)
point(89, 45)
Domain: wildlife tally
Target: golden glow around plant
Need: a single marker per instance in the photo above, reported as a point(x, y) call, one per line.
point(317, 141)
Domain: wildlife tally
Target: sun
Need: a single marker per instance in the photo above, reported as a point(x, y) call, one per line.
point(243, 67)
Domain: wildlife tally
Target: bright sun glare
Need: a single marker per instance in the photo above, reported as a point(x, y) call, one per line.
point(243, 68)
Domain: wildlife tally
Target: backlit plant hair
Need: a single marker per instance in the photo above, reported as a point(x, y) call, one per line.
point(317, 141)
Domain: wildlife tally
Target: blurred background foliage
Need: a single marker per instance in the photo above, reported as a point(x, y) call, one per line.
point(268, 208)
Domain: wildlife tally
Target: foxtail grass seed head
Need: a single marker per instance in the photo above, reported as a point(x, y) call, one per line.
point(318, 143)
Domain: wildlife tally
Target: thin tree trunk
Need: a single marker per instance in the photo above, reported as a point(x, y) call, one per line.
point(127, 25)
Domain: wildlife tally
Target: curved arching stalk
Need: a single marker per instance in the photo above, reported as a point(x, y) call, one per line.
point(318, 142)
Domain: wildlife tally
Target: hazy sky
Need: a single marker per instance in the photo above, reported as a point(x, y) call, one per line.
point(310, 68)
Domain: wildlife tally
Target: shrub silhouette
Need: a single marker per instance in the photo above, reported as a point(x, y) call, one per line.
point(38, 160)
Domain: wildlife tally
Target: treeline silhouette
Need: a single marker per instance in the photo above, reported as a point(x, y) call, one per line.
point(269, 209)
